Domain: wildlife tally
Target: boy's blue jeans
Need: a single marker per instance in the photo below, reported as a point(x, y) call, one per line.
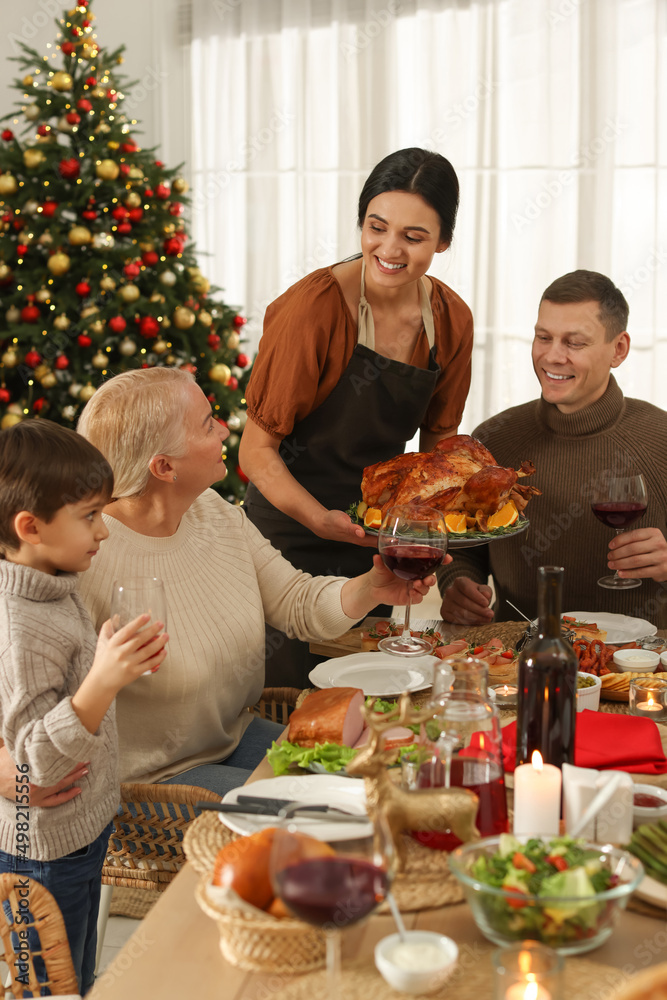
point(74, 881)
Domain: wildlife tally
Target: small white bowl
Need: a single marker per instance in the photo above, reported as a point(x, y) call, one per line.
point(589, 697)
point(638, 660)
point(649, 814)
point(428, 977)
point(663, 659)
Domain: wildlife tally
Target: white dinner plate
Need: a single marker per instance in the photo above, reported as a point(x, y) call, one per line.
point(307, 789)
point(620, 628)
point(652, 891)
point(378, 674)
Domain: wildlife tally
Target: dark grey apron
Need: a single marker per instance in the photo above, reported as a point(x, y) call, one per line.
point(377, 405)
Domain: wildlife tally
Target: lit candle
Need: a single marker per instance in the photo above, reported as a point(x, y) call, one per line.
point(537, 798)
point(648, 706)
point(505, 692)
point(527, 991)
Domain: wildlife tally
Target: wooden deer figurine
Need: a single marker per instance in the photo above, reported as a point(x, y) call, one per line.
point(433, 809)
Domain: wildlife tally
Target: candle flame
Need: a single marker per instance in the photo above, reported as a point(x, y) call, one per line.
point(650, 700)
point(530, 993)
point(536, 760)
point(505, 689)
point(524, 962)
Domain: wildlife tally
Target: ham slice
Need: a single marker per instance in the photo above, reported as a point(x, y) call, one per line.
point(459, 646)
point(398, 736)
point(332, 715)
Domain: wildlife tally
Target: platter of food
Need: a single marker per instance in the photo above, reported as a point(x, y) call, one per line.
point(608, 628)
point(616, 687)
point(466, 539)
point(376, 673)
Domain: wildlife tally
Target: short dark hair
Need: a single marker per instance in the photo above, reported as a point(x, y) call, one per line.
point(421, 172)
point(43, 467)
point(590, 286)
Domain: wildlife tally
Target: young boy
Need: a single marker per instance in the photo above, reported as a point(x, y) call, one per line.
point(57, 680)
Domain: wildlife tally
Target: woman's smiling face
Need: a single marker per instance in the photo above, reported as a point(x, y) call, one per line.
point(401, 232)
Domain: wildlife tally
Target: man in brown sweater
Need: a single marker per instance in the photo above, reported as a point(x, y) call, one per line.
point(581, 427)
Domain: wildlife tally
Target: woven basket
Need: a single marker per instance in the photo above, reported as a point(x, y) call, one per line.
point(264, 943)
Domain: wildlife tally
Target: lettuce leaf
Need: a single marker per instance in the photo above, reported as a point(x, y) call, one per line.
point(331, 756)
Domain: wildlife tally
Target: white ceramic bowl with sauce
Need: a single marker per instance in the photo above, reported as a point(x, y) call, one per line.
point(420, 964)
point(637, 660)
point(588, 697)
point(648, 813)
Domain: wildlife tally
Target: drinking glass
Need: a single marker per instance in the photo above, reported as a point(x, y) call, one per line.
point(139, 596)
point(619, 501)
point(412, 542)
point(332, 886)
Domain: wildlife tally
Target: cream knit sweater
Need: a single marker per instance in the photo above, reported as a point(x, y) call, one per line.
point(223, 580)
point(47, 645)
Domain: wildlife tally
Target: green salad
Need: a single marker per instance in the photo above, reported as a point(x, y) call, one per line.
point(561, 876)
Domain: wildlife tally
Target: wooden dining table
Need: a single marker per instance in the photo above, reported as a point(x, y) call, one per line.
point(174, 954)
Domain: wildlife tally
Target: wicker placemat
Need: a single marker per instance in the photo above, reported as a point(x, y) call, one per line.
point(471, 980)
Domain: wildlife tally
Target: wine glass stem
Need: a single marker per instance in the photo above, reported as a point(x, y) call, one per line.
point(334, 990)
point(619, 531)
point(408, 603)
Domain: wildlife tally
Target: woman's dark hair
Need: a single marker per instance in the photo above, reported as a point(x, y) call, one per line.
point(43, 467)
point(420, 172)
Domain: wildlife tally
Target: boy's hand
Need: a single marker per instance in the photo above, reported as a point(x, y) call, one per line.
point(133, 650)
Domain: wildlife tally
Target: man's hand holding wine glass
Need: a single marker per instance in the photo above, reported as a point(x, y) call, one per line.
point(641, 553)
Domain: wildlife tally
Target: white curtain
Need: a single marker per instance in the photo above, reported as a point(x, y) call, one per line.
point(553, 113)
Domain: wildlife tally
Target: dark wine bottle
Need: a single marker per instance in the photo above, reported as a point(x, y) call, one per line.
point(547, 702)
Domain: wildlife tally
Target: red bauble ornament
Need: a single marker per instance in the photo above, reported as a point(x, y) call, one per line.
point(73, 118)
point(89, 214)
point(4, 395)
point(21, 250)
point(18, 223)
point(129, 147)
point(75, 32)
point(233, 382)
point(91, 81)
point(211, 397)
point(120, 213)
point(49, 208)
point(243, 361)
point(7, 217)
point(83, 340)
point(33, 358)
point(239, 321)
point(111, 95)
point(117, 324)
point(148, 193)
point(68, 48)
point(149, 327)
point(69, 169)
point(43, 130)
point(241, 474)
point(190, 368)
point(136, 214)
point(30, 314)
point(162, 191)
point(150, 258)
point(175, 208)
point(85, 24)
point(124, 228)
point(83, 104)
point(39, 404)
point(82, 289)
point(132, 270)
point(213, 341)
point(7, 135)
point(172, 246)
point(61, 362)
point(125, 169)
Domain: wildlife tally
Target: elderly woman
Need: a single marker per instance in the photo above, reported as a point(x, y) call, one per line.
point(223, 580)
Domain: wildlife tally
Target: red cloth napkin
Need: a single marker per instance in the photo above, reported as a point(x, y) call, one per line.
point(607, 742)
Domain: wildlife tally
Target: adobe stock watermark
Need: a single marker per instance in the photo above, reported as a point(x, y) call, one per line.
point(641, 275)
point(146, 84)
point(48, 9)
point(457, 113)
point(367, 33)
point(551, 190)
point(565, 9)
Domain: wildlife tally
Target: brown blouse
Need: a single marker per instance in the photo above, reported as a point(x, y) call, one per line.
point(308, 340)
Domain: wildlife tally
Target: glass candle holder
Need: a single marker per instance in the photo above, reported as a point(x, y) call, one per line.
point(506, 695)
point(648, 697)
point(527, 971)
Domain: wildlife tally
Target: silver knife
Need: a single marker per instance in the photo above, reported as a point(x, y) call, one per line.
point(302, 812)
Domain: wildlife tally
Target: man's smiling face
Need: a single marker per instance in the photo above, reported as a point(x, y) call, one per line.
point(572, 357)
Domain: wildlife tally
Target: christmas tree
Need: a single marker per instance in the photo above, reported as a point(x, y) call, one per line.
point(96, 272)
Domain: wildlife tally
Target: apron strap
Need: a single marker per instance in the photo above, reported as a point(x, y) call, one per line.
point(366, 327)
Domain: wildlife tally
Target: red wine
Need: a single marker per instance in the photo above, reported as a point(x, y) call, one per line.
point(547, 697)
point(481, 776)
point(338, 891)
point(619, 514)
point(412, 562)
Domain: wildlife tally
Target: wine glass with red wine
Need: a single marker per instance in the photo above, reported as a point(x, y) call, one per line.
point(332, 887)
point(412, 542)
point(619, 501)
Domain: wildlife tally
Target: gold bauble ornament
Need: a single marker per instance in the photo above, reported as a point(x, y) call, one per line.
point(112, 144)
point(146, 246)
point(49, 137)
point(43, 295)
point(180, 185)
point(49, 380)
point(205, 317)
point(156, 297)
point(62, 322)
point(8, 184)
point(5, 271)
point(32, 158)
point(169, 229)
point(170, 359)
point(103, 241)
point(168, 278)
point(129, 293)
point(107, 284)
point(74, 390)
point(132, 200)
point(107, 170)
point(61, 81)
point(79, 236)
point(136, 174)
point(28, 81)
point(32, 112)
point(98, 92)
point(89, 50)
point(58, 264)
point(200, 284)
point(30, 207)
point(183, 317)
point(127, 347)
point(10, 358)
point(63, 125)
point(233, 340)
point(87, 393)
point(99, 360)
point(89, 311)
point(97, 327)
point(45, 240)
point(9, 420)
point(41, 370)
point(166, 323)
point(103, 128)
point(13, 315)
point(160, 346)
point(220, 373)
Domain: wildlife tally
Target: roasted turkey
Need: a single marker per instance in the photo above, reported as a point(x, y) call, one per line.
point(460, 474)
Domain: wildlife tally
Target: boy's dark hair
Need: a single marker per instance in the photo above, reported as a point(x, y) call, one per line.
point(43, 467)
point(591, 286)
